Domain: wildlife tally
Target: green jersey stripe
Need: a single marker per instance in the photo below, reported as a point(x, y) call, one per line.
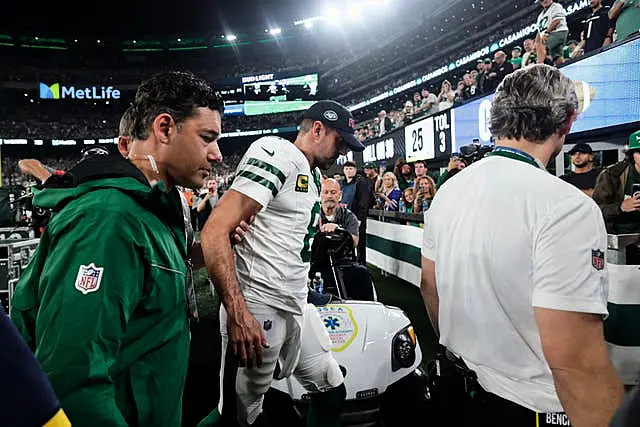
point(260, 180)
point(269, 168)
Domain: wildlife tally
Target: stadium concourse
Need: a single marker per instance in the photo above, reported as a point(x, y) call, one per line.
point(419, 78)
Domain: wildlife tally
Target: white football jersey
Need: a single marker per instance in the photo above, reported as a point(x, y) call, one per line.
point(553, 12)
point(272, 262)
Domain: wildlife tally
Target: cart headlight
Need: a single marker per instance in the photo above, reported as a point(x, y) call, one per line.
point(403, 349)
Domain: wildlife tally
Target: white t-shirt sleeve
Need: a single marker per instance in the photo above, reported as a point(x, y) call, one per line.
point(263, 170)
point(428, 236)
point(557, 12)
point(569, 268)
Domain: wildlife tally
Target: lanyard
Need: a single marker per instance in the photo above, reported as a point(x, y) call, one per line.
point(515, 154)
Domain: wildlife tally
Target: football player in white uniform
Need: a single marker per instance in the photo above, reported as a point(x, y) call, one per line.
point(264, 291)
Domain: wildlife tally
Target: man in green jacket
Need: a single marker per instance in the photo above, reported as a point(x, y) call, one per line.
point(103, 302)
point(614, 194)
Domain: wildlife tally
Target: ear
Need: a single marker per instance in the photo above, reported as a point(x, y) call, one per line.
point(317, 129)
point(163, 125)
point(124, 145)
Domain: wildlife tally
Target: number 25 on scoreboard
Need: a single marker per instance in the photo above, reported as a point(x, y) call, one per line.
point(418, 139)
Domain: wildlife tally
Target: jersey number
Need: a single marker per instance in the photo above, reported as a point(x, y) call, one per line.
point(312, 228)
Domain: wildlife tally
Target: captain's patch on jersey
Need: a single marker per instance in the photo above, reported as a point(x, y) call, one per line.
point(302, 184)
point(89, 278)
point(597, 259)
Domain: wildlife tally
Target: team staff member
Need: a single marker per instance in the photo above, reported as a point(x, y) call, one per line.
point(333, 215)
point(514, 276)
point(265, 317)
point(584, 175)
point(103, 302)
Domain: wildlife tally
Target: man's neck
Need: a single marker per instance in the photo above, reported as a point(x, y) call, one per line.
point(583, 169)
point(597, 8)
point(151, 169)
point(302, 146)
point(542, 152)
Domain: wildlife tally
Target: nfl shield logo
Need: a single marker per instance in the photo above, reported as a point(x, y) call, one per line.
point(597, 259)
point(267, 325)
point(89, 278)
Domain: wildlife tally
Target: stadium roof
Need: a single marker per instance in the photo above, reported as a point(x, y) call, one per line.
point(144, 17)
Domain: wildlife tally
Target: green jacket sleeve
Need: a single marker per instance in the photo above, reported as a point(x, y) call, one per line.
point(442, 179)
point(604, 194)
point(90, 284)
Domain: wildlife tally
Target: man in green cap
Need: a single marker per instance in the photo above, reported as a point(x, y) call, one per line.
point(617, 194)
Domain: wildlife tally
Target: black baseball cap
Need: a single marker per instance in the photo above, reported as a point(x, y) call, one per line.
point(581, 148)
point(336, 116)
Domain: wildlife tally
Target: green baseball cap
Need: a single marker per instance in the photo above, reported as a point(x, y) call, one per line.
point(370, 165)
point(634, 140)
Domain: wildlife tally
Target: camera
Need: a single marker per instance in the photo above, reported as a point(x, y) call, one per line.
point(473, 152)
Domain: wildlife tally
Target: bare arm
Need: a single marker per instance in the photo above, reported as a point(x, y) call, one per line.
point(616, 9)
point(429, 292)
point(245, 334)
point(586, 381)
point(34, 168)
point(203, 203)
point(197, 258)
point(554, 24)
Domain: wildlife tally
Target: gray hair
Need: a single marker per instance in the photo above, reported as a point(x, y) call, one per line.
point(533, 103)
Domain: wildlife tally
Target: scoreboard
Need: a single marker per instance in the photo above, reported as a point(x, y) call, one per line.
point(430, 138)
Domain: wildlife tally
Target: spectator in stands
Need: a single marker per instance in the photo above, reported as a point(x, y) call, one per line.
point(390, 195)
point(333, 215)
point(446, 96)
point(529, 48)
point(598, 29)
point(617, 198)
point(552, 32)
point(371, 172)
point(207, 200)
point(572, 50)
point(357, 196)
point(417, 102)
point(529, 274)
point(483, 78)
point(429, 103)
point(584, 173)
point(516, 58)
point(501, 68)
point(404, 174)
point(408, 112)
point(470, 88)
point(420, 168)
point(459, 98)
point(626, 14)
point(385, 123)
point(455, 165)
point(424, 190)
point(408, 199)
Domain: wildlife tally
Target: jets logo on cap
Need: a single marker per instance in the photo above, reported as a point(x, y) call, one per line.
point(330, 115)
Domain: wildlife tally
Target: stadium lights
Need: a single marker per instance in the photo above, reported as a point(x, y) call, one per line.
point(308, 25)
point(134, 42)
point(354, 11)
point(98, 41)
point(35, 38)
point(275, 31)
point(231, 37)
point(179, 40)
point(75, 40)
point(333, 15)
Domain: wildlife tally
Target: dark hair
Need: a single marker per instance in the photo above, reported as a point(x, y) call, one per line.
point(126, 122)
point(420, 161)
point(349, 163)
point(533, 103)
point(176, 93)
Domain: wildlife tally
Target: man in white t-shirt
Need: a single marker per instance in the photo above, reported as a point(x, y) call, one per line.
point(514, 275)
point(266, 325)
point(552, 32)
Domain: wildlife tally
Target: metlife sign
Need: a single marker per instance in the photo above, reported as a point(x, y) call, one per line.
point(58, 91)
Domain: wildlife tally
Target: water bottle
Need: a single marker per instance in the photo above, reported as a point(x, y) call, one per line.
point(425, 204)
point(318, 283)
point(401, 206)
